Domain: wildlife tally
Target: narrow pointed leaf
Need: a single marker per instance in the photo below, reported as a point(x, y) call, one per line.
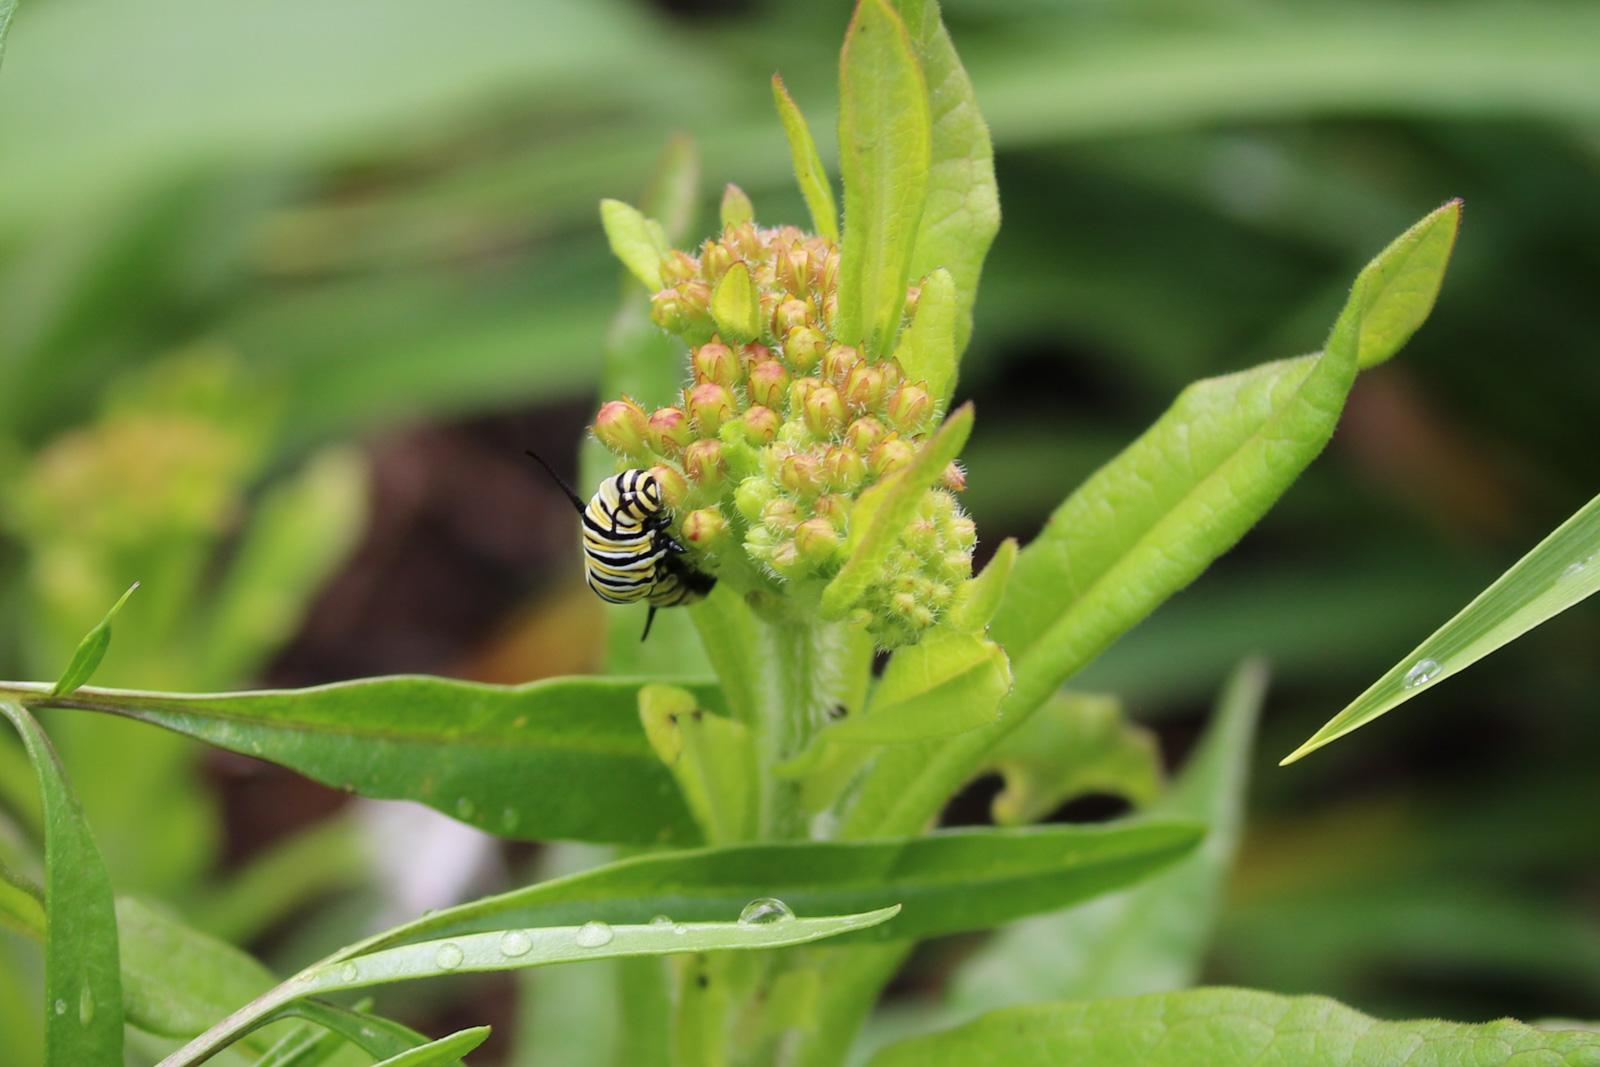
point(443, 1051)
point(373, 1034)
point(483, 754)
point(881, 514)
point(948, 683)
point(1230, 1028)
point(809, 172)
point(634, 241)
point(1560, 571)
point(91, 650)
point(733, 305)
point(981, 595)
point(736, 206)
point(928, 352)
point(885, 136)
point(82, 983)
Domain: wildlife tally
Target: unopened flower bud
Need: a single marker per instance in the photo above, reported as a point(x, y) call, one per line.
point(715, 259)
point(889, 456)
point(744, 240)
point(785, 558)
point(906, 606)
point(825, 271)
point(794, 271)
point(769, 383)
point(830, 309)
point(753, 495)
point(845, 468)
point(703, 463)
point(669, 431)
point(864, 434)
point(803, 348)
point(838, 362)
point(668, 311)
point(760, 424)
point(824, 411)
point(913, 297)
point(957, 566)
point(780, 513)
point(789, 315)
point(965, 531)
point(800, 390)
point(817, 541)
point(864, 387)
point(921, 535)
point(621, 426)
point(909, 408)
point(678, 267)
point(953, 478)
point(753, 353)
point(834, 507)
point(710, 405)
point(715, 362)
point(801, 473)
point(673, 486)
point(704, 527)
point(736, 206)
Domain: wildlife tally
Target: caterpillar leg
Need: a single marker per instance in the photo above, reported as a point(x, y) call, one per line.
point(649, 620)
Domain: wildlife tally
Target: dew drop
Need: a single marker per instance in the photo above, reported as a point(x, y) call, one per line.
point(61, 1006)
point(1421, 673)
point(349, 973)
point(764, 911)
point(1575, 569)
point(661, 920)
point(593, 935)
point(515, 943)
point(449, 956)
point(679, 929)
point(85, 1006)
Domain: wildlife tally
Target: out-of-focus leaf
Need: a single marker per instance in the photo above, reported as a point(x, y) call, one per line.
point(736, 206)
point(928, 351)
point(808, 169)
point(948, 683)
point(373, 1034)
point(561, 758)
point(8, 8)
point(885, 134)
point(962, 213)
point(733, 305)
point(1150, 937)
point(1229, 1028)
point(949, 881)
point(176, 981)
point(710, 755)
point(635, 241)
point(82, 984)
point(445, 1050)
point(1560, 571)
point(277, 882)
point(90, 651)
point(880, 515)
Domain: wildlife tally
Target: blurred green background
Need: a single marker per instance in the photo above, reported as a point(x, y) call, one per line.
point(286, 289)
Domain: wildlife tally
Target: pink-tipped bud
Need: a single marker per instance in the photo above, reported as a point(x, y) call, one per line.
point(703, 463)
point(838, 362)
point(769, 383)
point(845, 467)
point(710, 405)
point(803, 348)
point(622, 427)
point(715, 259)
point(864, 434)
point(669, 431)
point(824, 411)
point(921, 535)
point(696, 296)
point(736, 207)
point(910, 407)
point(678, 267)
point(790, 315)
point(864, 387)
point(913, 297)
point(760, 425)
point(780, 513)
point(705, 527)
point(817, 541)
point(800, 472)
point(715, 362)
point(954, 477)
point(745, 240)
point(753, 353)
point(673, 486)
point(890, 455)
point(800, 390)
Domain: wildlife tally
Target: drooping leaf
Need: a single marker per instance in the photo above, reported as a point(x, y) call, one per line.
point(809, 172)
point(443, 1051)
point(1149, 937)
point(946, 684)
point(885, 136)
point(733, 305)
point(962, 213)
point(928, 351)
point(880, 515)
point(91, 650)
point(948, 881)
point(1230, 1028)
point(635, 241)
point(1559, 572)
point(503, 758)
point(82, 983)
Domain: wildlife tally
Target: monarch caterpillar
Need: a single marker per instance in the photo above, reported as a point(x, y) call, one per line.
point(628, 555)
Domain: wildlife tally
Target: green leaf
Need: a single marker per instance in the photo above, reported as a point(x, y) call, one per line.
point(880, 515)
point(1230, 1028)
point(948, 881)
point(928, 351)
point(885, 137)
point(560, 758)
point(445, 1050)
point(962, 213)
point(90, 651)
point(637, 242)
point(373, 1034)
point(981, 594)
point(1150, 937)
point(176, 981)
point(711, 756)
point(1560, 571)
point(1075, 744)
point(82, 985)
point(948, 683)
point(1395, 292)
point(809, 172)
point(8, 8)
point(736, 206)
point(733, 305)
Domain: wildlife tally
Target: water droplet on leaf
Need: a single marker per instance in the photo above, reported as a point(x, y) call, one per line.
point(661, 920)
point(85, 1005)
point(349, 973)
point(593, 935)
point(1421, 673)
point(61, 1006)
point(763, 911)
point(449, 956)
point(515, 943)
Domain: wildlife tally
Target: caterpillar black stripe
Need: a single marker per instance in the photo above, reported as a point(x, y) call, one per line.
point(628, 555)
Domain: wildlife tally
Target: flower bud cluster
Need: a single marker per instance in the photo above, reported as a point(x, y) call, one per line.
point(774, 440)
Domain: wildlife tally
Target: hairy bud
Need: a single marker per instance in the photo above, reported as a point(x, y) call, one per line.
point(824, 411)
point(760, 425)
point(864, 387)
point(803, 348)
point(838, 362)
point(864, 434)
point(817, 541)
point(910, 408)
point(622, 427)
point(790, 315)
point(705, 527)
point(669, 431)
point(769, 383)
point(710, 405)
point(703, 463)
point(673, 486)
point(890, 455)
point(715, 362)
point(845, 468)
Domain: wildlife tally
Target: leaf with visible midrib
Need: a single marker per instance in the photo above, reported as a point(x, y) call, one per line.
point(1230, 1028)
point(561, 758)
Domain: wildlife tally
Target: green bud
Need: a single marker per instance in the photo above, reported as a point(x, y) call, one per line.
point(745, 240)
point(965, 531)
point(825, 271)
point(803, 348)
point(673, 486)
point(715, 259)
point(668, 311)
point(781, 514)
point(800, 472)
point(736, 206)
point(834, 507)
point(710, 405)
point(785, 558)
point(817, 541)
point(769, 382)
point(760, 425)
point(621, 426)
point(703, 462)
point(752, 497)
point(864, 434)
point(956, 566)
point(845, 468)
point(799, 391)
point(864, 387)
point(905, 605)
point(909, 408)
point(921, 536)
point(789, 315)
point(753, 353)
point(824, 411)
point(715, 362)
point(669, 431)
point(838, 362)
point(793, 271)
point(890, 455)
point(705, 528)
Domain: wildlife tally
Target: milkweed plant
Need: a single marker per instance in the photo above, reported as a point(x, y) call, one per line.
point(768, 768)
